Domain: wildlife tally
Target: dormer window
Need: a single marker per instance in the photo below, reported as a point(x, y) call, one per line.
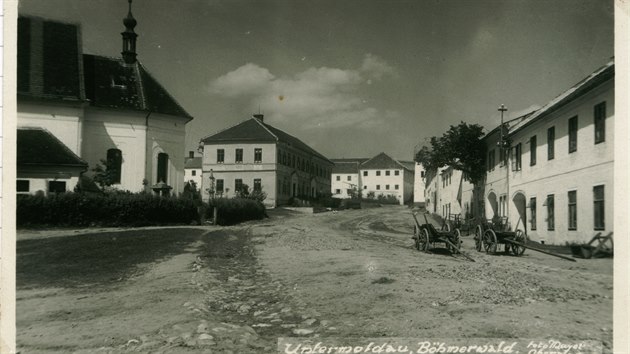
point(118, 83)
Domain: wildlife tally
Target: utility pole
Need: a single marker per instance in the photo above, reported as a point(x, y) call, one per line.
point(503, 145)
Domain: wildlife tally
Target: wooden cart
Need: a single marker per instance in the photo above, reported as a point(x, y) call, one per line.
point(426, 236)
point(491, 234)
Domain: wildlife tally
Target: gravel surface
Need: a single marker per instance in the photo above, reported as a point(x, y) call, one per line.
point(237, 289)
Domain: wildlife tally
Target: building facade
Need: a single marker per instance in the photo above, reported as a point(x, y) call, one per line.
point(561, 164)
point(264, 158)
point(419, 177)
point(108, 111)
point(384, 176)
point(192, 169)
point(554, 180)
point(380, 175)
point(346, 180)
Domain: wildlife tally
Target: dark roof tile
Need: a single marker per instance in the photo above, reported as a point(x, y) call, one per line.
point(192, 162)
point(253, 130)
point(37, 146)
point(382, 161)
point(345, 167)
point(111, 83)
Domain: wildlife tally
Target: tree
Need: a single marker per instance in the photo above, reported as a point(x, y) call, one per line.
point(244, 193)
point(191, 191)
point(460, 147)
point(105, 176)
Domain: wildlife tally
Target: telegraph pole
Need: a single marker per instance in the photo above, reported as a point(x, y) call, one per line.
point(503, 146)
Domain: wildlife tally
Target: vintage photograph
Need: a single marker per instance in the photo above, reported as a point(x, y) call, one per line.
point(298, 176)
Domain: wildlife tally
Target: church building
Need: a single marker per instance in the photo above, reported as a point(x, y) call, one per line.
point(93, 110)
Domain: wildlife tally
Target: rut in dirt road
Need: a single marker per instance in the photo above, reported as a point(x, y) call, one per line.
point(246, 295)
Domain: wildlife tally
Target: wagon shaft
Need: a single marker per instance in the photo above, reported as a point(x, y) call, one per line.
point(541, 251)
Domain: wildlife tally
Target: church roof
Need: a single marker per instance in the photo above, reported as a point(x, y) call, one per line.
point(51, 66)
point(111, 83)
point(254, 130)
point(37, 146)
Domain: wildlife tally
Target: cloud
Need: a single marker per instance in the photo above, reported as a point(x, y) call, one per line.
point(376, 67)
point(246, 80)
point(316, 97)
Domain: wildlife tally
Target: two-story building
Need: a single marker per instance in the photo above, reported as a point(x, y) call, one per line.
point(346, 180)
point(554, 178)
point(265, 159)
point(107, 111)
point(380, 175)
point(192, 169)
point(562, 158)
point(383, 175)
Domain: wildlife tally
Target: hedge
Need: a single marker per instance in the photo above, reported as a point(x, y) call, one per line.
point(119, 209)
point(235, 210)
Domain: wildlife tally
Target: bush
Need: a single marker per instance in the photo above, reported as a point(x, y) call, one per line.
point(351, 203)
point(388, 199)
point(327, 201)
point(110, 209)
point(235, 210)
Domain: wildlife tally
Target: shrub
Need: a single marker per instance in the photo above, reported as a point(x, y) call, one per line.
point(234, 210)
point(351, 203)
point(387, 199)
point(109, 209)
point(327, 201)
point(257, 195)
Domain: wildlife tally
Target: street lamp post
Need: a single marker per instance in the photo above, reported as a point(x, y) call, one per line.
point(211, 192)
point(503, 145)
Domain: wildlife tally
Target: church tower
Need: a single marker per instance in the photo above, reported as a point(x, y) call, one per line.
point(129, 38)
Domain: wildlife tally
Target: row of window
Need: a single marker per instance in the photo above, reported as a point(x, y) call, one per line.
point(349, 178)
point(378, 187)
point(302, 164)
point(446, 210)
point(598, 210)
point(24, 186)
point(387, 173)
point(446, 178)
point(238, 155)
point(238, 185)
point(114, 166)
point(348, 191)
point(286, 187)
point(599, 123)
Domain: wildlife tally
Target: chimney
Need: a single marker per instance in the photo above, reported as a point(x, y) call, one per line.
point(191, 154)
point(259, 116)
point(129, 38)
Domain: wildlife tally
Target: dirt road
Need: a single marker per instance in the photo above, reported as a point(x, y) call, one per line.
point(237, 289)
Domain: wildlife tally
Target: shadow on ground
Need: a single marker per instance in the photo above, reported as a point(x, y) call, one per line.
point(95, 259)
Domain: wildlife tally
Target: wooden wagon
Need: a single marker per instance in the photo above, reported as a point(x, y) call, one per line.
point(493, 234)
point(426, 236)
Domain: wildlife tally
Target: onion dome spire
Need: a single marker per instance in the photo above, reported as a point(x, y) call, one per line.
point(129, 38)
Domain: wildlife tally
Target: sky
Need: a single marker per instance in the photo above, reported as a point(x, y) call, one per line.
point(352, 78)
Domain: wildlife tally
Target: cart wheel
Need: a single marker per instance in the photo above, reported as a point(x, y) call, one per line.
point(424, 240)
point(416, 237)
point(456, 240)
point(520, 238)
point(478, 238)
point(490, 241)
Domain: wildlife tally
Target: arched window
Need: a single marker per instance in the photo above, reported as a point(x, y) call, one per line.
point(162, 167)
point(114, 165)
